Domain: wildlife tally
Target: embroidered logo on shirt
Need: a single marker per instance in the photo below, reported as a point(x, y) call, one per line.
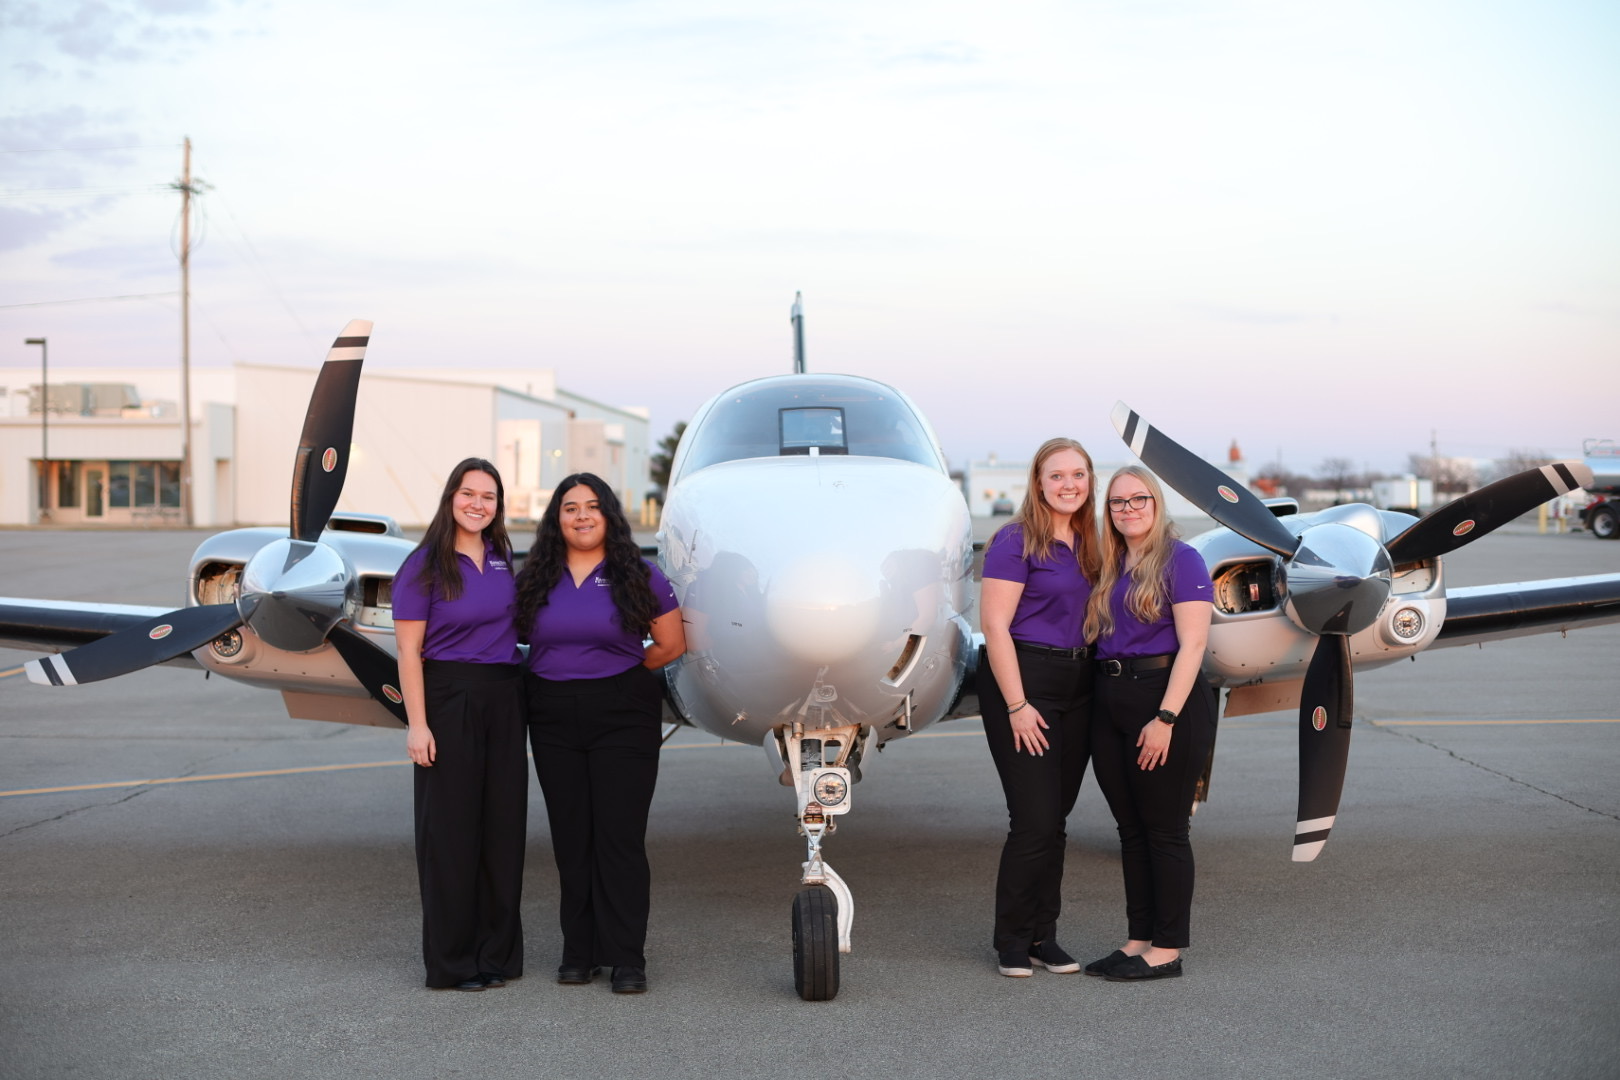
point(496, 564)
point(600, 580)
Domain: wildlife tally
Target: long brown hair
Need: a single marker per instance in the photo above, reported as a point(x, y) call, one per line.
point(629, 577)
point(1034, 517)
point(1149, 590)
point(441, 565)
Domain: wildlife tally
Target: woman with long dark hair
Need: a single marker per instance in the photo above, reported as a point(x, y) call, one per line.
point(1153, 723)
point(1034, 693)
point(462, 678)
point(587, 601)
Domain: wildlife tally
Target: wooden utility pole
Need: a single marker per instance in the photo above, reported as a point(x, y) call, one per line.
point(186, 514)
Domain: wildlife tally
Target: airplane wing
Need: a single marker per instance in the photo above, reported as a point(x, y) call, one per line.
point(1480, 613)
point(58, 625)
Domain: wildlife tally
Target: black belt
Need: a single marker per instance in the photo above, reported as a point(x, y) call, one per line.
point(1134, 665)
point(1079, 652)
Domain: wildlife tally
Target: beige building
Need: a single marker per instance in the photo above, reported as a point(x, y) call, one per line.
point(113, 441)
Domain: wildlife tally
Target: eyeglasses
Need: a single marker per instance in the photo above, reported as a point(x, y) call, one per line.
point(1135, 502)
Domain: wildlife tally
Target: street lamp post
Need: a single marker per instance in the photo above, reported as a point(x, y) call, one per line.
point(44, 426)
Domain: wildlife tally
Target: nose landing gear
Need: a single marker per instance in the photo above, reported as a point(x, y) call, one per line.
point(822, 763)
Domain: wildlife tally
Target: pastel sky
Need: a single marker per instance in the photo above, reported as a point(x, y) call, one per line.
point(1320, 230)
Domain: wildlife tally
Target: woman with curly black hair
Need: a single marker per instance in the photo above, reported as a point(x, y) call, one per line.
point(462, 678)
point(587, 601)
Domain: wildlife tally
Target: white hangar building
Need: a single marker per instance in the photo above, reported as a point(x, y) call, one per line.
point(113, 442)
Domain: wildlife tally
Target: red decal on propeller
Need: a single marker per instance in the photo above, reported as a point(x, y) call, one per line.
point(329, 459)
point(391, 694)
point(1464, 529)
point(1319, 718)
point(1226, 493)
point(158, 633)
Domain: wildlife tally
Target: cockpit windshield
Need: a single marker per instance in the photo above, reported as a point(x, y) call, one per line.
point(809, 414)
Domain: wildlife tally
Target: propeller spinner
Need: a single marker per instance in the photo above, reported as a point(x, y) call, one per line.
point(296, 592)
point(1336, 574)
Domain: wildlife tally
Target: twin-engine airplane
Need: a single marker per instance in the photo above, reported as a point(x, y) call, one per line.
point(823, 560)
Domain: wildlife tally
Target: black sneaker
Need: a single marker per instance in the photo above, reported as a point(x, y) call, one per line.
point(1014, 963)
point(1050, 955)
point(629, 980)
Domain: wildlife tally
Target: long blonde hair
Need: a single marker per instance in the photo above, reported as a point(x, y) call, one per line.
point(1149, 590)
point(1035, 516)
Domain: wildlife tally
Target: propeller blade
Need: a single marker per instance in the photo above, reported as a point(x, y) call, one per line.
point(142, 645)
point(377, 671)
point(1325, 704)
point(323, 449)
point(1202, 484)
point(1467, 519)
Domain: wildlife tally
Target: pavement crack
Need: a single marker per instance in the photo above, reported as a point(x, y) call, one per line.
point(1495, 772)
point(74, 812)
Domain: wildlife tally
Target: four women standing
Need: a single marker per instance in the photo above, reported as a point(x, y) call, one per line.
point(588, 604)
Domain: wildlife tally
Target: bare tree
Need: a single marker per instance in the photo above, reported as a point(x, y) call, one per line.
point(1339, 474)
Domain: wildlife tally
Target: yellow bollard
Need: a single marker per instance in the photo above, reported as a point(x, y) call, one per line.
point(1541, 519)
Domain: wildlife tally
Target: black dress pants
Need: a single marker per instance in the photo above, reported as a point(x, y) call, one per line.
point(1153, 809)
point(471, 812)
point(595, 745)
point(1040, 791)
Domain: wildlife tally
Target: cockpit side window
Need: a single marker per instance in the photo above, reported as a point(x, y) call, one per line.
point(792, 415)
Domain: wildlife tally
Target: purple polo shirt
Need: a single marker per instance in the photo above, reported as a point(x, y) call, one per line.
point(577, 634)
point(1189, 580)
point(1052, 609)
point(476, 627)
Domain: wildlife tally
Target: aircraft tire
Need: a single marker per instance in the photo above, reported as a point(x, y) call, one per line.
point(815, 943)
point(1605, 523)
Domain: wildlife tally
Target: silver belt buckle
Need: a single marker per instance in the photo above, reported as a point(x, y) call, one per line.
point(1113, 667)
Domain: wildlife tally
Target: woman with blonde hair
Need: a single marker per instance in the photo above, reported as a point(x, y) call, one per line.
point(1034, 693)
point(1153, 717)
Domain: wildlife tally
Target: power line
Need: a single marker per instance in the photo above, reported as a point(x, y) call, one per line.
point(91, 299)
point(90, 149)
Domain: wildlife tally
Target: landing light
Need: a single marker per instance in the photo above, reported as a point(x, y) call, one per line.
point(1407, 624)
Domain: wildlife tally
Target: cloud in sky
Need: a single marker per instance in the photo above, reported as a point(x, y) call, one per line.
point(1251, 219)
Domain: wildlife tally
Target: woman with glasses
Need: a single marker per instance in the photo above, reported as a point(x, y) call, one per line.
point(1153, 717)
point(1034, 693)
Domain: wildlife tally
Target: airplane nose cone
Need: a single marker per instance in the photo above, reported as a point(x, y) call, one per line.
point(294, 591)
point(1338, 580)
point(823, 609)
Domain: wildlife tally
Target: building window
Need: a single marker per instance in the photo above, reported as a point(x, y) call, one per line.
point(118, 484)
point(134, 484)
point(67, 484)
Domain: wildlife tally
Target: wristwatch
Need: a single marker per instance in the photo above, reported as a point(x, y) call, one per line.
point(1166, 716)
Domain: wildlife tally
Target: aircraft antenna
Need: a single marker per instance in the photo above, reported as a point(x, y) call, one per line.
point(797, 319)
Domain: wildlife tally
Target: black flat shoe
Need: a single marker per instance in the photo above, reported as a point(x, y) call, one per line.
point(491, 980)
point(1136, 969)
point(469, 985)
point(1101, 967)
point(629, 980)
point(573, 975)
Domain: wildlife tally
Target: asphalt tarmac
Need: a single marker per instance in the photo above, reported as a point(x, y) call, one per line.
point(259, 917)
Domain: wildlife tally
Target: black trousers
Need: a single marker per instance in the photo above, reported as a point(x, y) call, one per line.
point(595, 745)
point(1153, 809)
point(471, 811)
point(1040, 791)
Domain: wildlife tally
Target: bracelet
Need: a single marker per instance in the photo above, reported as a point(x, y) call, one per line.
point(1018, 706)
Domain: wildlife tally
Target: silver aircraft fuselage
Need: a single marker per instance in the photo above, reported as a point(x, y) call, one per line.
point(823, 560)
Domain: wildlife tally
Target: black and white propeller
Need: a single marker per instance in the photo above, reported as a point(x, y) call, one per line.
point(295, 592)
point(1336, 578)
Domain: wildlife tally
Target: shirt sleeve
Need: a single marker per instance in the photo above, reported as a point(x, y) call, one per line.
point(1004, 558)
point(411, 600)
point(1189, 577)
point(662, 590)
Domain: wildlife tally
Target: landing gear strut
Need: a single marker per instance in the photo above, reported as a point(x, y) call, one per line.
point(821, 764)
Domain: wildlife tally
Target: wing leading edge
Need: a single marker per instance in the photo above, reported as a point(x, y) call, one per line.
point(1480, 613)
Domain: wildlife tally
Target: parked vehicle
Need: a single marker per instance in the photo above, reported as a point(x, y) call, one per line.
point(1602, 514)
